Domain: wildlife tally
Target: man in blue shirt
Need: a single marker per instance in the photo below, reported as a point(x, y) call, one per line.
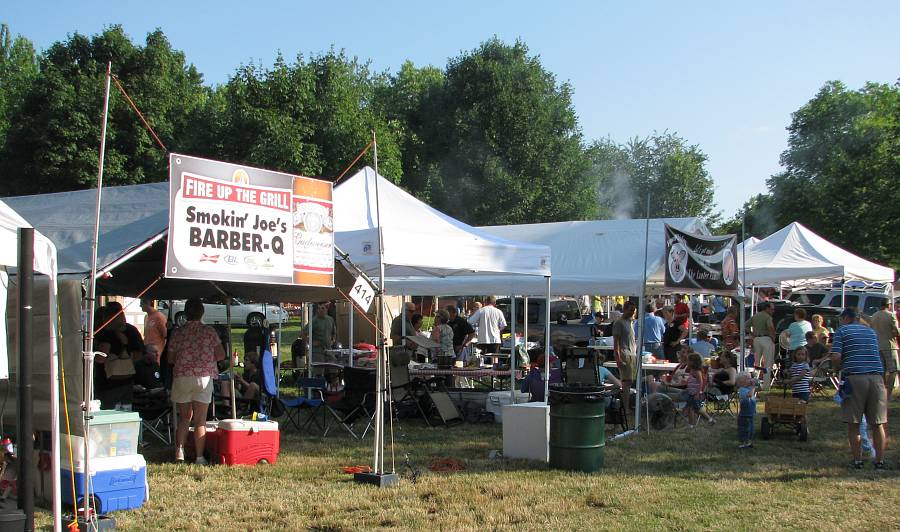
point(854, 349)
point(654, 327)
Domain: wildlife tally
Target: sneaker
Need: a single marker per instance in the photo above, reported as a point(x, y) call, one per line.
point(745, 445)
point(201, 461)
point(856, 464)
point(179, 454)
point(711, 421)
point(880, 465)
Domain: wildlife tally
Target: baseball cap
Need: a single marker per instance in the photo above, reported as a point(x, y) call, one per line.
point(849, 312)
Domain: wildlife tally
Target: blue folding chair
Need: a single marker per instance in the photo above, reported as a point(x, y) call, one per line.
point(295, 406)
point(268, 386)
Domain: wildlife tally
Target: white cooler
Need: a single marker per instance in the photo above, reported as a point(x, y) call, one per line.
point(496, 400)
point(526, 431)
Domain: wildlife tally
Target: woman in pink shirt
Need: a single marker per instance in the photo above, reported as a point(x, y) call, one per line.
point(194, 350)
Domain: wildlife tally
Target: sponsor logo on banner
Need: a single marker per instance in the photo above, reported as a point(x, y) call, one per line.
point(700, 262)
point(237, 223)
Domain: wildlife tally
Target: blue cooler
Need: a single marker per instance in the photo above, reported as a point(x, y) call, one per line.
point(117, 482)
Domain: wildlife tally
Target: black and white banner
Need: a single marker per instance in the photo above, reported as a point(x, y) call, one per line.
point(696, 263)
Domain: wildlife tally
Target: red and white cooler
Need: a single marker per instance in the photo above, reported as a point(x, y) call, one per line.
point(238, 441)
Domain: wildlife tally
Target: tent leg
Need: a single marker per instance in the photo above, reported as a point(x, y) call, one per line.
point(547, 346)
point(512, 350)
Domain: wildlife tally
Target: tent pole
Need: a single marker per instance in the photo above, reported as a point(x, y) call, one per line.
point(741, 363)
point(640, 341)
point(382, 353)
point(350, 331)
point(92, 304)
point(24, 370)
point(525, 324)
point(843, 293)
point(55, 465)
point(309, 340)
point(512, 350)
point(230, 354)
point(547, 344)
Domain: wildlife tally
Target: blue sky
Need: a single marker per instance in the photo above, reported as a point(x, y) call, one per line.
point(724, 75)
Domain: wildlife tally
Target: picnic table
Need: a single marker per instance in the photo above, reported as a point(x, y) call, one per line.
point(476, 374)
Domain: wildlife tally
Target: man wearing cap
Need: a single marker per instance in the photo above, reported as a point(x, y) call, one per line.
point(854, 350)
point(763, 330)
point(885, 325)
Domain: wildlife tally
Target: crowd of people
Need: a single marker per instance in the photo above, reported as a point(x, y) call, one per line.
point(864, 351)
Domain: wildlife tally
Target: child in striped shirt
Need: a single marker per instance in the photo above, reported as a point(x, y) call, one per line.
point(800, 375)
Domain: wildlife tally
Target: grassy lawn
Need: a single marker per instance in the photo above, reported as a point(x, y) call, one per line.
point(681, 479)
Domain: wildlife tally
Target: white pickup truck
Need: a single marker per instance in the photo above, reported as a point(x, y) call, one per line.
point(242, 314)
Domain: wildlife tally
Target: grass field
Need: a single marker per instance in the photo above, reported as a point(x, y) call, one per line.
point(676, 479)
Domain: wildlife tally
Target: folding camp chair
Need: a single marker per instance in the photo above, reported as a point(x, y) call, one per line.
point(268, 386)
point(155, 410)
point(441, 403)
point(822, 376)
point(406, 393)
point(295, 406)
point(720, 403)
point(357, 404)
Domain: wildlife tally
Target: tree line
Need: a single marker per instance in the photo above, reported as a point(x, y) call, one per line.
point(491, 137)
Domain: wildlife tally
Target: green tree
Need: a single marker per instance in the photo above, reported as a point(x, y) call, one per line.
point(501, 141)
point(841, 169)
point(52, 144)
point(407, 101)
point(311, 117)
point(18, 69)
point(666, 166)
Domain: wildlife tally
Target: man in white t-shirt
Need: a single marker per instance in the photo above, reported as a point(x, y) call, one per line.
point(489, 321)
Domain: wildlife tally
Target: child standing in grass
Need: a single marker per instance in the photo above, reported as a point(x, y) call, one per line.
point(800, 375)
point(693, 394)
point(747, 409)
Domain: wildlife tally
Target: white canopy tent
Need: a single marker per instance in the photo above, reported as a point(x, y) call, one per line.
point(426, 245)
point(799, 256)
point(589, 257)
point(391, 236)
point(45, 263)
point(746, 244)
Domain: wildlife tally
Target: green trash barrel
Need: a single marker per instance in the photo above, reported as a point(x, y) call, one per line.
point(577, 428)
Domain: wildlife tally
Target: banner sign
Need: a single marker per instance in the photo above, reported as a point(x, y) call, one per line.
point(697, 263)
point(236, 223)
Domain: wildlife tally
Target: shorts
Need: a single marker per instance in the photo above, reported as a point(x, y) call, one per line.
point(889, 359)
point(803, 396)
point(691, 402)
point(192, 390)
point(628, 368)
point(867, 396)
point(487, 349)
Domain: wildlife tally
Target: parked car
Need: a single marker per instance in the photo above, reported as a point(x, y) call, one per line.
point(867, 301)
point(566, 328)
point(242, 314)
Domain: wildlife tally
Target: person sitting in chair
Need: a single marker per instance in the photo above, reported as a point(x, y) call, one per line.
point(248, 383)
point(702, 345)
point(147, 372)
point(724, 378)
